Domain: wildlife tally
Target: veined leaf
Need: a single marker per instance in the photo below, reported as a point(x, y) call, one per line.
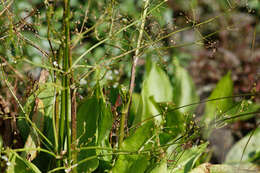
point(224, 88)
point(94, 124)
point(184, 92)
point(157, 86)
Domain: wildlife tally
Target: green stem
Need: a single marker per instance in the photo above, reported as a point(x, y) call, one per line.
point(53, 60)
point(67, 62)
point(65, 132)
point(133, 71)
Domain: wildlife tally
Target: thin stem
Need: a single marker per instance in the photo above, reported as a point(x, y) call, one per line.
point(133, 72)
point(74, 124)
point(65, 132)
point(192, 104)
point(32, 149)
point(67, 62)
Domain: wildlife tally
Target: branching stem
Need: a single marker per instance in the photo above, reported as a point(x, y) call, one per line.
point(133, 72)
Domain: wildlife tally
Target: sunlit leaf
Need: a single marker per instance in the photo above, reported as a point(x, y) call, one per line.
point(156, 86)
point(184, 92)
point(187, 158)
point(160, 168)
point(216, 108)
point(245, 150)
point(136, 163)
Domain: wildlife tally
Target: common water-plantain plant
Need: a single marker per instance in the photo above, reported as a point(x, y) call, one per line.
point(99, 97)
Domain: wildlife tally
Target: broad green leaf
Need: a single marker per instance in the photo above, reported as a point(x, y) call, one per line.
point(39, 107)
point(23, 125)
point(158, 87)
point(134, 163)
point(157, 84)
point(104, 123)
point(87, 118)
point(94, 124)
point(140, 136)
point(187, 158)
point(161, 167)
point(215, 108)
point(19, 164)
point(246, 149)
point(45, 111)
point(131, 163)
point(45, 96)
point(184, 92)
point(137, 139)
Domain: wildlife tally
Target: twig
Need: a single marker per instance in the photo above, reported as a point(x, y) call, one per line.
point(133, 72)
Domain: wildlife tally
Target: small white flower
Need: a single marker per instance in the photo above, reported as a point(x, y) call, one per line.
point(8, 163)
point(4, 158)
point(55, 63)
point(68, 170)
point(82, 82)
point(115, 85)
point(109, 75)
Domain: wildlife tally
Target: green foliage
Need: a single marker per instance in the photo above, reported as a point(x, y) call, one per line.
point(188, 158)
point(156, 88)
point(184, 90)
point(90, 49)
point(215, 108)
point(94, 124)
point(19, 164)
point(246, 150)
